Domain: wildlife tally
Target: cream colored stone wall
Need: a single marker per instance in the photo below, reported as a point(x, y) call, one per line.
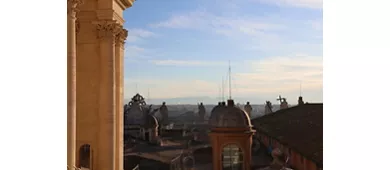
point(95, 84)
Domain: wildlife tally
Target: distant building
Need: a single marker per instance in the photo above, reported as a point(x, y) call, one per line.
point(297, 131)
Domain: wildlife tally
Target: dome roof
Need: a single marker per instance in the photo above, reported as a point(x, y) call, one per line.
point(230, 116)
point(214, 111)
point(150, 121)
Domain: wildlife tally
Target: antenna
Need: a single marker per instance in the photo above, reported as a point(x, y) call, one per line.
point(219, 92)
point(148, 96)
point(223, 90)
point(230, 82)
point(136, 87)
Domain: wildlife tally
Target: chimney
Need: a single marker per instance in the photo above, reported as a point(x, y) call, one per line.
point(230, 102)
point(300, 101)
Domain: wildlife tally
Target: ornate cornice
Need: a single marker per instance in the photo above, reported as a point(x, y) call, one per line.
point(107, 28)
point(124, 4)
point(73, 7)
point(121, 37)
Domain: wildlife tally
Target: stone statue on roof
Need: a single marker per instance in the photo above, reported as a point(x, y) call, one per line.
point(164, 113)
point(284, 104)
point(268, 107)
point(201, 111)
point(248, 109)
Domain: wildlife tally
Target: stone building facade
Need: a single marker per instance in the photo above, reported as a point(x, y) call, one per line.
point(95, 48)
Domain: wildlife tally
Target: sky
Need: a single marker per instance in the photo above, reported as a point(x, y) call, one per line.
point(182, 48)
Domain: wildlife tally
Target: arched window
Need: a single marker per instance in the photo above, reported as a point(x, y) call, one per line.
point(232, 157)
point(85, 153)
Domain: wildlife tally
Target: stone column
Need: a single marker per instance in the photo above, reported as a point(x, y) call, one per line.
point(107, 30)
point(119, 57)
point(71, 83)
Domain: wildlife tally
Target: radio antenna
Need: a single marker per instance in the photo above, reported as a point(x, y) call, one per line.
point(230, 82)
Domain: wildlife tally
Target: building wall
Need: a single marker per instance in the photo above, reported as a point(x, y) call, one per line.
point(219, 140)
point(297, 161)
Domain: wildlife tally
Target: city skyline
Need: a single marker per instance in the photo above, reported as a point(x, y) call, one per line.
point(181, 49)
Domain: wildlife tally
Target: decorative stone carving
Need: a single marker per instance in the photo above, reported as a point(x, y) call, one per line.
point(121, 37)
point(72, 7)
point(107, 28)
point(77, 26)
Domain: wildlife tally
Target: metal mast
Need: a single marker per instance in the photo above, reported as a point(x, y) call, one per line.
point(230, 82)
point(223, 90)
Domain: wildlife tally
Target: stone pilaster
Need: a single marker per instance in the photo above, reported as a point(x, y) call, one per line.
point(106, 32)
point(71, 82)
point(119, 57)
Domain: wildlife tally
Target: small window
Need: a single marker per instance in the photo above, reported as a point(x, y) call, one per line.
point(232, 157)
point(85, 156)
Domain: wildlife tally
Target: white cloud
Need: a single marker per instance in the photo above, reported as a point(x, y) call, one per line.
point(187, 63)
point(313, 4)
point(196, 19)
point(133, 51)
point(135, 34)
point(265, 34)
point(317, 24)
point(160, 88)
point(281, 74)
point(229, 26)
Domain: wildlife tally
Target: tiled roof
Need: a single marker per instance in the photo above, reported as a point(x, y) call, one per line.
point(298, 127)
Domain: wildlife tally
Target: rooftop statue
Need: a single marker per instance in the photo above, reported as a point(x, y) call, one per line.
point(268, 107)
point(248, 109)
point(201, 111)
point(164, 113)
point(284, 104)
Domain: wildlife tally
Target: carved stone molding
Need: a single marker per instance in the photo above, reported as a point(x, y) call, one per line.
point(72, 7)
point(121, 37)
point(107, 29)
point(77, 26)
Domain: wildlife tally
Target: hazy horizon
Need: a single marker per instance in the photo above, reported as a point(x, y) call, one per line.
point(213, 101)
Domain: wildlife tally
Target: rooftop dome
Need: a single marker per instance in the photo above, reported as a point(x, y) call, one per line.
point(150, 121)
point(216, 109)
point(230, 116)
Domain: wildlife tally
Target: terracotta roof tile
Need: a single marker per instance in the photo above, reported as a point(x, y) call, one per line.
point(299, 127)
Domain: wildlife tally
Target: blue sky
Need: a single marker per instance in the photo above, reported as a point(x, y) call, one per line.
point(181, 48)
